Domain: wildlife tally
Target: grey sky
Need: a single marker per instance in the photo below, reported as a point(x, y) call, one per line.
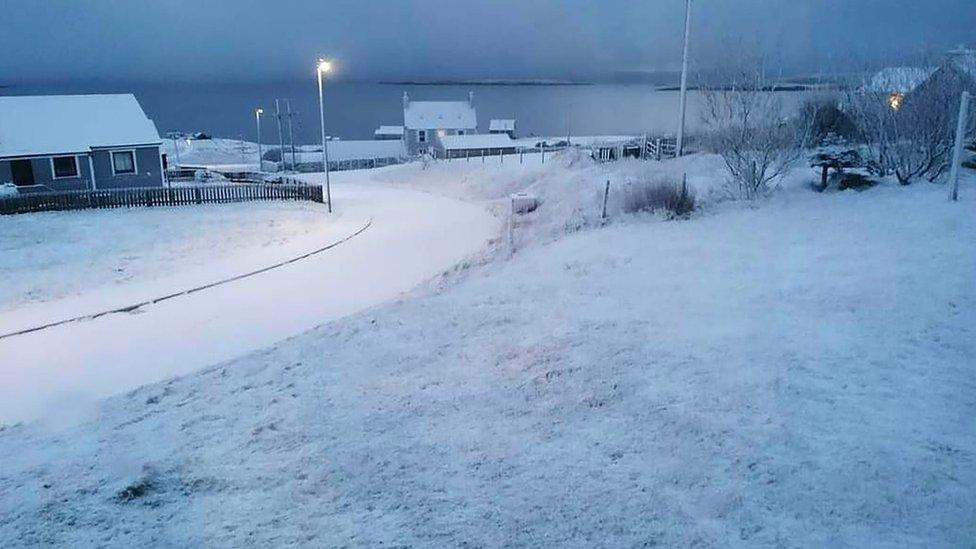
point(71, 40)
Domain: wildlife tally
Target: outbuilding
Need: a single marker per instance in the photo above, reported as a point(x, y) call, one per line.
point(503, 125)
point(78, 142)
point(462, 146)
point(388, 133)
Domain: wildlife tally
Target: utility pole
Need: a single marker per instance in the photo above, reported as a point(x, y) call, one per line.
point(957, 147)
point(291, 135)
point(281, 138)
point(682, 101)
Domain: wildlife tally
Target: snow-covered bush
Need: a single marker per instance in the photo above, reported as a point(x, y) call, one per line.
point(748, 127)
point(834, 153)
point(7, 190)
point(660, 196)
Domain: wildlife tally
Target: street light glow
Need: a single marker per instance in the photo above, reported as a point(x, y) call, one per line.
point(259, 111)
point(324, 66)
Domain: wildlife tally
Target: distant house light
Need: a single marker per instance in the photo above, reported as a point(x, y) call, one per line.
point(895, 100)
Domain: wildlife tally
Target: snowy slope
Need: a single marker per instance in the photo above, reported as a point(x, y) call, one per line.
point(797, 373)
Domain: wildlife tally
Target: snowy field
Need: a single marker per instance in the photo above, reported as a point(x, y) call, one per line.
point(54, 255)
point(794, 372)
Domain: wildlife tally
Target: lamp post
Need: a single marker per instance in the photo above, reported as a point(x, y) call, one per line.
point(257, 117)
point(324, 67)
point(957, 147)
point(679, 145)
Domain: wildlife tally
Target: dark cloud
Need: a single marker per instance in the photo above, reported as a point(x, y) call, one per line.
point(190, 40)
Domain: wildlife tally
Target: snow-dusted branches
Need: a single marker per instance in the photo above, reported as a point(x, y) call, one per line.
point(748, 127)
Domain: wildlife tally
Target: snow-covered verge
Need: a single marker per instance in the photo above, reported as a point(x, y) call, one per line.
point(798, 373)
point(53, 255)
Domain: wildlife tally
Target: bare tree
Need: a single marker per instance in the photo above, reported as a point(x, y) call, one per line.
point(749, 128)
point(907, 126)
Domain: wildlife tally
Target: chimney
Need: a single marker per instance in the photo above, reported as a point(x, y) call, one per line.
point(471, 98)
point(406, 100)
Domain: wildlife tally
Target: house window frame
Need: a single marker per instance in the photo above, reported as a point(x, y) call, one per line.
point(460, 132)
point(135, 162)
point(54, 171)
point(421, 136)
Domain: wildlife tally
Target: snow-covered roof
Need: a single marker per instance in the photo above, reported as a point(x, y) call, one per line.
point(364, 150)
point(898, 79)
point(478, 141)
point(501, 125)
point(440, 115)
point(55, 124)
point(389, 130)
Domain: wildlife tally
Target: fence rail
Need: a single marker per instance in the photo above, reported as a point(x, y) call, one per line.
point(150, 197)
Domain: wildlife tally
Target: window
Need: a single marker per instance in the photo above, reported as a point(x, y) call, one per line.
point(123, 162)
point(460, 132)
point(64, 166)
point(421, 136)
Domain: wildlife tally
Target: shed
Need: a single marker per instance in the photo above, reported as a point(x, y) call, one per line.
point(388, 133)
point(503, 125)
point(461, 146)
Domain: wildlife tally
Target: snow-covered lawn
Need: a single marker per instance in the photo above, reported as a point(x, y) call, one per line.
point(794, 373)
point(54, 255)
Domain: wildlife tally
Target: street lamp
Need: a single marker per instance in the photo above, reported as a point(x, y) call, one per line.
point(257, 116)
point(324, 67)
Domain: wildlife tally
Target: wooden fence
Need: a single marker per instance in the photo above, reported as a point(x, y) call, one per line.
point(150, 197)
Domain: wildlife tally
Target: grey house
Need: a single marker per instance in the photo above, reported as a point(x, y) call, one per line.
point(426, 122)
point(77, 142)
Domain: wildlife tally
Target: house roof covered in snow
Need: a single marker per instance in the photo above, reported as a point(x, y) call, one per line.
point(56, 124)
point(389, 130)
point(501, 125)
point(341, 150)
point(478, 141)
point(440, 115)
point(898, 79)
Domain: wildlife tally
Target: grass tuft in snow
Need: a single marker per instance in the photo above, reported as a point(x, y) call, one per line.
point(659, 196)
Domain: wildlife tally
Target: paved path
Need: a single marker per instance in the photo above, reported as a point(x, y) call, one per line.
point(62, 370)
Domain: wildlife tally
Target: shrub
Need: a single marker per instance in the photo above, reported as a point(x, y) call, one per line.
point(659, 196)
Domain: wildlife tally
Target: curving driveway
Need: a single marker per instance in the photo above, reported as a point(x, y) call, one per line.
point(60, 371)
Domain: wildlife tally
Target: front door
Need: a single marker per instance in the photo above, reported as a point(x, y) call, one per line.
point(22, 172)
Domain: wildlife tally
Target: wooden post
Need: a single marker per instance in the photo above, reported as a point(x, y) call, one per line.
point(606, 195)
point(657, 145)
point(957, 148)
point(501, 156)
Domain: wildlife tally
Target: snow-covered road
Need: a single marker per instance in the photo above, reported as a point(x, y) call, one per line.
point(58, 372)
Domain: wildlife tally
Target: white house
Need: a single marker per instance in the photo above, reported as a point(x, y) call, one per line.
point(77, 142)
point(426, 122)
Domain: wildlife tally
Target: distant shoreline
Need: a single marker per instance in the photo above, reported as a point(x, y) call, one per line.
point(483, 83)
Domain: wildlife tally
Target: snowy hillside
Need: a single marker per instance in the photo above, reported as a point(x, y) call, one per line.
point(796, 372)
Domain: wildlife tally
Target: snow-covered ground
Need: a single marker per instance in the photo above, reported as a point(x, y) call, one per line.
point(54, 255)
point(795, 372)
point(119, 258)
